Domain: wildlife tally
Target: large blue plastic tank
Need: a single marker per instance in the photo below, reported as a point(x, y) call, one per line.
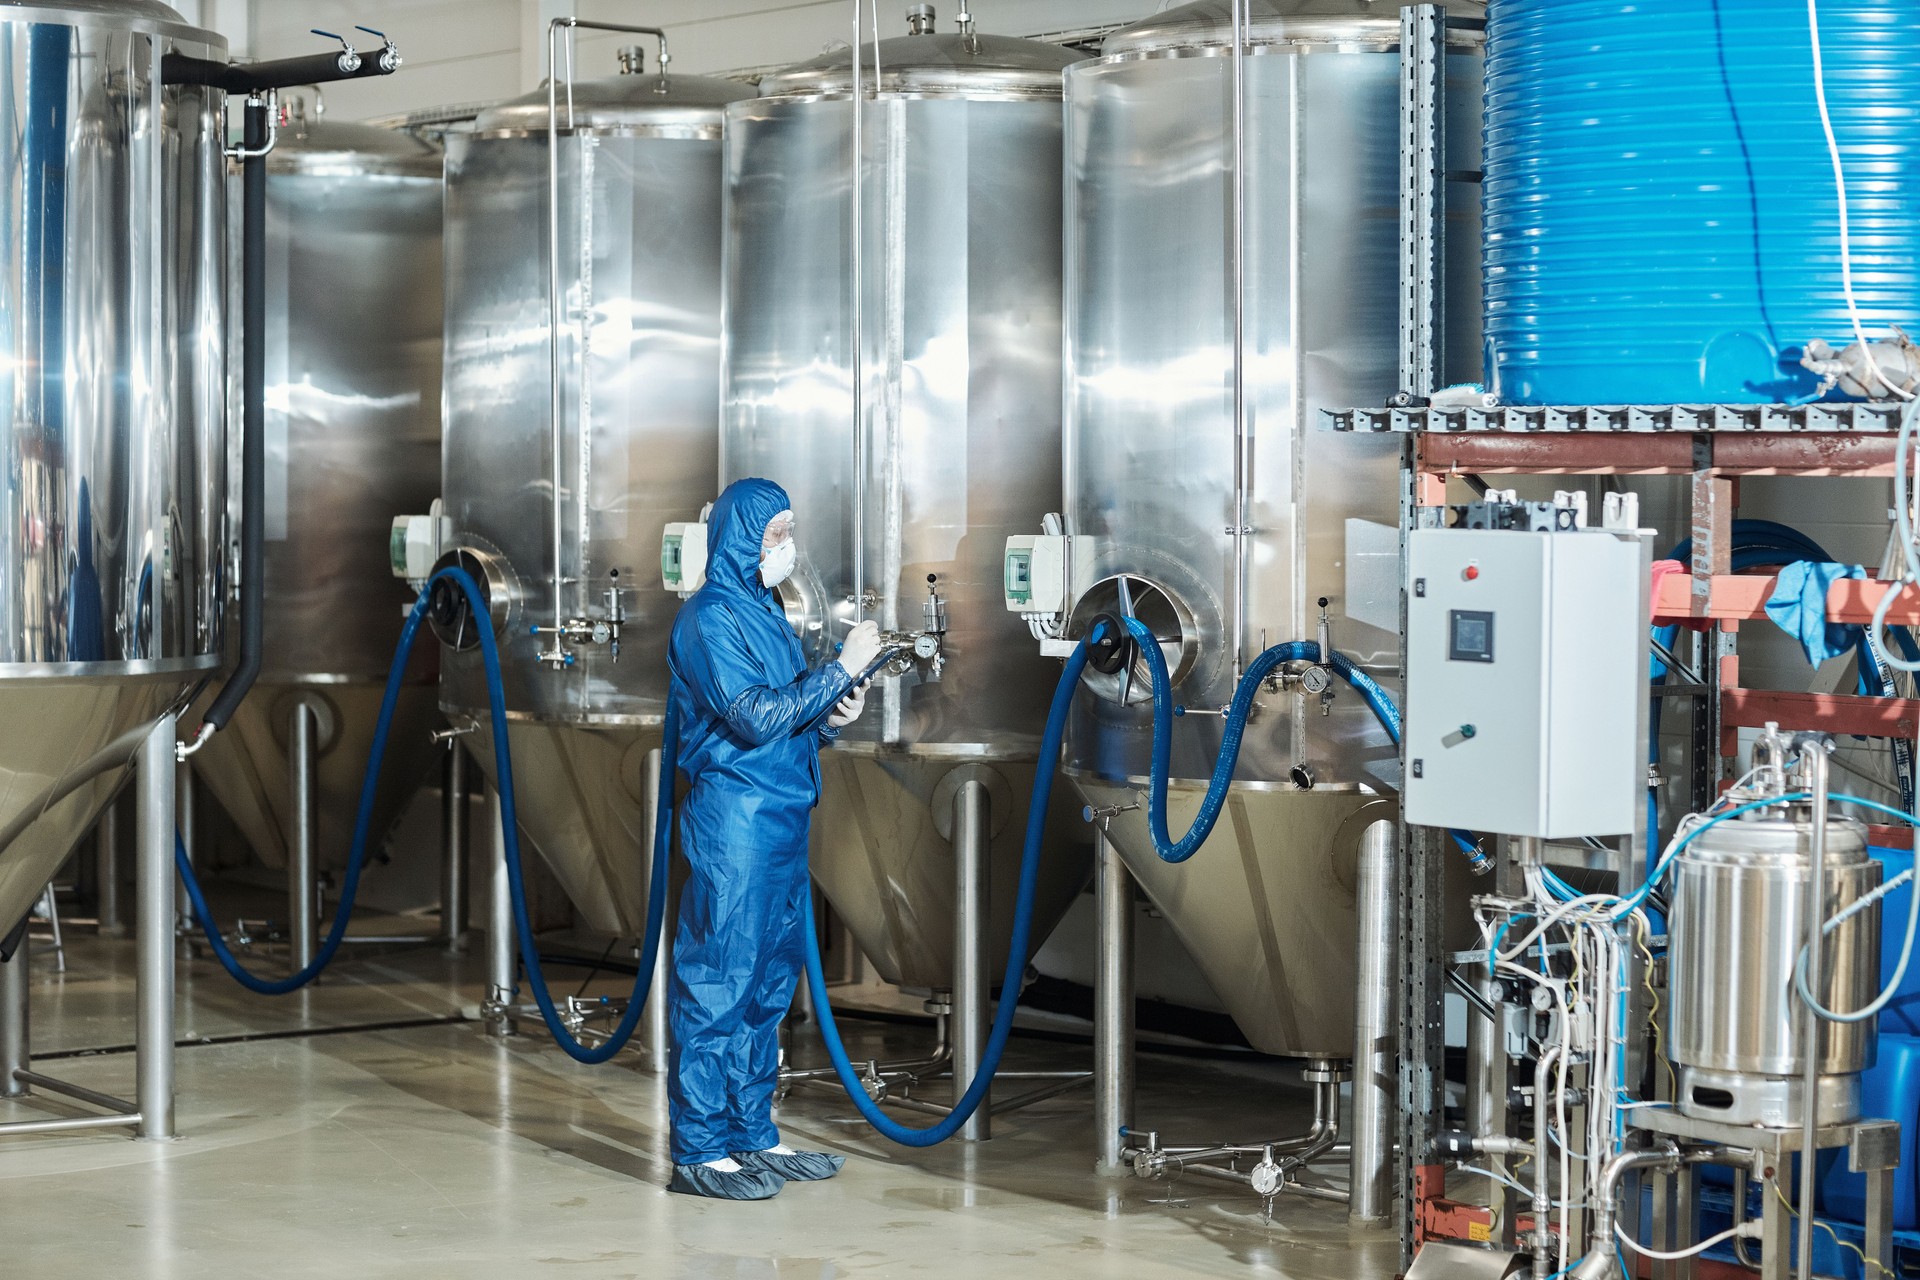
point(1661, 223)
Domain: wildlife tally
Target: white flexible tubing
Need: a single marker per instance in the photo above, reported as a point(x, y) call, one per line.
point(1691, 1251)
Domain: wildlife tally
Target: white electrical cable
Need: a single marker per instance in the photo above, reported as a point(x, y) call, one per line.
point(1750, 1229)
point(1840, 190)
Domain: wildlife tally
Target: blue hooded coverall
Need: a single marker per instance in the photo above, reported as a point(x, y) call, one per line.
point(752, 721)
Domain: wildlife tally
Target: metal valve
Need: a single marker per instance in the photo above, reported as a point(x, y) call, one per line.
point(585, 631)
point(390, 54)
point(349, 59)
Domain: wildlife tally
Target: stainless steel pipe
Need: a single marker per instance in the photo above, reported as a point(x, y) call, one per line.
point(502, 972)
point(183, 823)
point(1813, 758)
point(970, 929)
point(154, 879)
point(303, 751)
point(16, 1054)
point(1113, 997)
point(106, 838)
point(453, 848)
point(657, 1039)
point(1376, 1061)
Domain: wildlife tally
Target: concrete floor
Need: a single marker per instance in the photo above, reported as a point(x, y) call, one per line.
point(428, 1150)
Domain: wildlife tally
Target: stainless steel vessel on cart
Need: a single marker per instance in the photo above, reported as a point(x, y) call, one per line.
point(112, 402)
point(353, 436)
point(640, 230)
point(1224, 532)
point(907, 475)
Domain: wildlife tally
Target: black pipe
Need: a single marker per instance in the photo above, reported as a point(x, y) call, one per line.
point(253, 442)
point(254, 79)
point(282, 73)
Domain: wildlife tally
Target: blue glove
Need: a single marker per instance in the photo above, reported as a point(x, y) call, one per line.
point(1799, 606)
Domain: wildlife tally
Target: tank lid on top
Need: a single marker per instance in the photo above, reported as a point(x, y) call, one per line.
point(1208, 24)
point(934, 65)
point(637, 98)
point(308, 143)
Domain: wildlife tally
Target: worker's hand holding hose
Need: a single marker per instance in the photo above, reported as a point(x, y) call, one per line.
point(848, 709)
point(862, 646)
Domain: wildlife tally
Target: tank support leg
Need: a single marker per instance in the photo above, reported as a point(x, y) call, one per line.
point(16, 1054)
point(502, 973)
point(302, 751)
point(970, 926)
point(654, 1020)
point(154, 835)
point(453, 848)
point(1375, 1059)
point(106, 837)
point(1113, 1039)
point(183, 823)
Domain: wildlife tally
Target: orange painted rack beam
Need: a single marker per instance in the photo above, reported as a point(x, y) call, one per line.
point(1743, 598)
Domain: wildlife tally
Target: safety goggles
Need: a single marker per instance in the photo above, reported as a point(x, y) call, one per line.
point(779, 530)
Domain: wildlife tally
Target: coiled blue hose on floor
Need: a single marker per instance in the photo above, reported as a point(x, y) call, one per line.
point(976, 1092)
point(503, 764)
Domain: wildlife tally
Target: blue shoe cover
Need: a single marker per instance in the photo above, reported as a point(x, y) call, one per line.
point(801, 1166)
point(747, 1184)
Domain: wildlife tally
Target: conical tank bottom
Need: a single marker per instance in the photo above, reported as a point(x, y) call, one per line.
point(244, 766)
point(580, 794)
point(881, 854)
point(1265, 907)
point(55, 726)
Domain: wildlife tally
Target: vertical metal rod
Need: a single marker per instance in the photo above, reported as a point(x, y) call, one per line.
point(554, 401)
point(654, 1021)
point(16, 1053)
point(502, 972)
point(183, 816)
point(1238, 270)
point(1813, 757)
point(856, 250)
point(303, 734)
point(1113, 1026)
point(153, 855)
point(453, 848)
point(106, 835)
point(970, 927)
point(1375, 1054)
point(1487, 1090)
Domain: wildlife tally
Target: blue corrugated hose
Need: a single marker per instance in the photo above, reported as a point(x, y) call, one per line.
point(509, 821)
point(976, 1092)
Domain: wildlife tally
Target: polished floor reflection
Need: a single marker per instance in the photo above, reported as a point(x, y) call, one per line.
point(364, 1129)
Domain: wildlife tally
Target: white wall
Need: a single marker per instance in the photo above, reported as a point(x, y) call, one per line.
point(466, 51)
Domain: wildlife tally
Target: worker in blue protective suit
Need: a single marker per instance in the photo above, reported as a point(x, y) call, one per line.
point(753, 719)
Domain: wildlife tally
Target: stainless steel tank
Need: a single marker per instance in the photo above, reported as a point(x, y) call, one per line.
point(640, 228)
point(1738, 924)
point(955, 447)
point(1155, 461)
point(112, 399)
point(353, 347)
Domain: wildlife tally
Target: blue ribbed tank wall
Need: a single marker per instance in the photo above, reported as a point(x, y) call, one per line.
point(1661, 223)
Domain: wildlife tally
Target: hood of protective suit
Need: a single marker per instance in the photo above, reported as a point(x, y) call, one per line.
point(734, 529)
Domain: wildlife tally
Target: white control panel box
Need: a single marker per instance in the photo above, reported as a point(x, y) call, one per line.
point(683, 558)
point(1526, 682)
point(1041, 571)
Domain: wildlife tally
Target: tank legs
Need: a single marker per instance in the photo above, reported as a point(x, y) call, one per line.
point(453, 848)
point(303, 751)
point(154, 837)
point(654, 1020)
point(106, 837)
point(970, 927)
point(1375, 1056)
point(183, 823)
point(502, 973)
point(15, 1052)
point(1113, 1038)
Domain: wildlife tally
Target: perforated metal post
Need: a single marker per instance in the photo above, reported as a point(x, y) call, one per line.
point(1423, 199)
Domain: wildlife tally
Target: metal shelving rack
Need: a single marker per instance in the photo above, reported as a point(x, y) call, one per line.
point(1714, 446)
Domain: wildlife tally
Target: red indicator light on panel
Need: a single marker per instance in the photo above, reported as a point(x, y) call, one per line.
point(1471, 572)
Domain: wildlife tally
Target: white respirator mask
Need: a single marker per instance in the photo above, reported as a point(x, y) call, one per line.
point(777, 567)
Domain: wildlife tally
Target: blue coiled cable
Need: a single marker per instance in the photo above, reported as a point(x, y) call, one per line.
point(509, 821)
point(976, 1092)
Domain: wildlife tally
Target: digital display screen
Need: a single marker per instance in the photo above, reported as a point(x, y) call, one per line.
point(1470, 636)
